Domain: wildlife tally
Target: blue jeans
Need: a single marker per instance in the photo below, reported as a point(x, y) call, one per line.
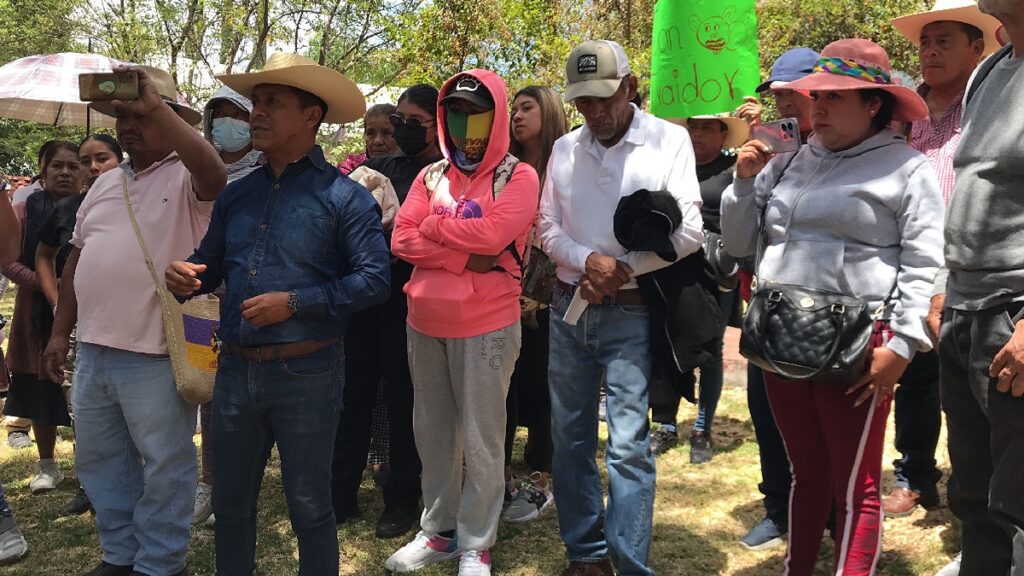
point(134, 457)
point(612, 341)
point(294, 403)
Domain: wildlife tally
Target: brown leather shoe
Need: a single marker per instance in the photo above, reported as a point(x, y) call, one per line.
point(602, 568)
point(902, 501)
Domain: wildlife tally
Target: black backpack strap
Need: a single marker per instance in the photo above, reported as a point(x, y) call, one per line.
point(985, 69)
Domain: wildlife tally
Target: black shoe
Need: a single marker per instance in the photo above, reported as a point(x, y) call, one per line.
point(347, 515)
point(395, 522)
point(700, 448)
point(105, 569)
point(663, 440)
point(78, 505)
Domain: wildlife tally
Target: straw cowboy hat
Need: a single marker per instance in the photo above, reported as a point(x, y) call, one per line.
point(345, 103)
point(965, 11)
point(739, 130)
point(857, 64)
point(167, 90)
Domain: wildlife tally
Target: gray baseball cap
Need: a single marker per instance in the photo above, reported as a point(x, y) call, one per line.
point(595, 68)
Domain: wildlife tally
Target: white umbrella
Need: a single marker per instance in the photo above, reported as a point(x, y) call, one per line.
point(44, 89)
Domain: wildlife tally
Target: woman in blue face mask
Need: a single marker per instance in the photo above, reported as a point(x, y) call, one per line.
point(226, 126)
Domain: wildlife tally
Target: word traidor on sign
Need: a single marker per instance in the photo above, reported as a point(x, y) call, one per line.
point(704, 56)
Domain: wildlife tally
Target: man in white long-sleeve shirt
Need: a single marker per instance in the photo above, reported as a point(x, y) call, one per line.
point(618, 151)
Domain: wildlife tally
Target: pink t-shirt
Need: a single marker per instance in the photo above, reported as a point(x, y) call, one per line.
point(117, 302)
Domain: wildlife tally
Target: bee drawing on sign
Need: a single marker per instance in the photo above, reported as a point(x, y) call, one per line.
point(715, 32)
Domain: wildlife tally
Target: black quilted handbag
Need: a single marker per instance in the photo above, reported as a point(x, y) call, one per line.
point(806, 334)
point(802, 333)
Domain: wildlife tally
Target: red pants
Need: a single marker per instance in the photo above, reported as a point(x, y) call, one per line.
point(835, 452)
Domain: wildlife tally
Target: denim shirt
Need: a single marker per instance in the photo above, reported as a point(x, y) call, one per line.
point(311, 231)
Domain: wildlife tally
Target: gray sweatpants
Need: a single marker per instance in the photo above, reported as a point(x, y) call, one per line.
point(460, 386)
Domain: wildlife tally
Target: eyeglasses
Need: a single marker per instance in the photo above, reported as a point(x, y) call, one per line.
point(395, 119)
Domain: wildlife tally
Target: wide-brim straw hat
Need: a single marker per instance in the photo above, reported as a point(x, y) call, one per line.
point(739, 130)
point(965, 11)
point(857, 64)
point(167, 90)
point(345, 103)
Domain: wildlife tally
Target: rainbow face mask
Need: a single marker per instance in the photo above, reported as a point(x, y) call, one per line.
point(470, 133)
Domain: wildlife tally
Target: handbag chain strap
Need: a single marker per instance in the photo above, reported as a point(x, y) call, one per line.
point(138, 233)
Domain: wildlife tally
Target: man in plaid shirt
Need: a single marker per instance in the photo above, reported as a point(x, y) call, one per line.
point(952, 41)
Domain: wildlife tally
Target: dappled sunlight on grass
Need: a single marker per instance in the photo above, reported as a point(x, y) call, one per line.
point(700, 514)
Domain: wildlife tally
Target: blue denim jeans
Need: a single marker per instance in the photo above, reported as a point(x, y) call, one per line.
point(612, 341)
point(294, 403)
point(134, 457)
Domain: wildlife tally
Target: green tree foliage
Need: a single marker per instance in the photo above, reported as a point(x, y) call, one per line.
point(391, 42)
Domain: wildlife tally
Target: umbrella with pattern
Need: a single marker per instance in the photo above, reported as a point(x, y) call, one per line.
point(44, 89)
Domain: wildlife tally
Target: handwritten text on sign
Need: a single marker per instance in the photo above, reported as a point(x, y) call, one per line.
point(704, 57)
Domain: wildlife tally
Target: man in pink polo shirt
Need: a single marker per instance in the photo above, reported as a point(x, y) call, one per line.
point(135, 456)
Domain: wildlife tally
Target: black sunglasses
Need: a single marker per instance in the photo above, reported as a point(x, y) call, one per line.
point(395, 119)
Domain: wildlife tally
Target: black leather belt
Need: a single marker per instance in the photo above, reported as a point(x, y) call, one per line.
point(278, 352)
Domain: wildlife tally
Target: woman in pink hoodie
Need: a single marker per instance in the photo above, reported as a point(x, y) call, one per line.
point(463, 226)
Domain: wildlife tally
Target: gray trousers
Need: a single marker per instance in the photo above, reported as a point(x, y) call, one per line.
point(986, 441)
point(460, 386)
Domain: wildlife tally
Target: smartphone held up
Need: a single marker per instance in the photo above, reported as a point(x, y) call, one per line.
point(107, 86)
point(780, 137)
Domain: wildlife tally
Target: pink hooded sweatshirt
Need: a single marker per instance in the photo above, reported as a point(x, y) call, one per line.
point(438, 234)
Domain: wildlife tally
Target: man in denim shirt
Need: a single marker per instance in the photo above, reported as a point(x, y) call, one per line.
point(300, 248)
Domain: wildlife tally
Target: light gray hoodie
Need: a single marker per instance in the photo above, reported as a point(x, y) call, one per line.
point(852, 222)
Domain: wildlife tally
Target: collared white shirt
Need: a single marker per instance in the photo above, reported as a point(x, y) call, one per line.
point(585, 182)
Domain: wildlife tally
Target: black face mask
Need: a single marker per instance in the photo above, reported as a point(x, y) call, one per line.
point(411, 138)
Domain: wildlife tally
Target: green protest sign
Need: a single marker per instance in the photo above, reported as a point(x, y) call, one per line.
point(704, 57)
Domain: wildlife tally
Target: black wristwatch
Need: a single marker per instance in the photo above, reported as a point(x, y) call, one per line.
point(293, 302)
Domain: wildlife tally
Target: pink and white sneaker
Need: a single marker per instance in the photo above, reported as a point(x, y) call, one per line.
point(423, 551)
point(475, 563)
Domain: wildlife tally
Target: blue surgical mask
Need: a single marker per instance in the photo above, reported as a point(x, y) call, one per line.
point(230, 134)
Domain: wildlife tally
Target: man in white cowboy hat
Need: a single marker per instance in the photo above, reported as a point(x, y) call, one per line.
point(981, 340)
point(619, 150)
point(299, 247)
point(952, 37)
point(135, 456)
point(712, 136)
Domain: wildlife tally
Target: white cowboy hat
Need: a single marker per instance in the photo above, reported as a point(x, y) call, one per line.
point(345, 103)
point(739, 130)
point(965, 11)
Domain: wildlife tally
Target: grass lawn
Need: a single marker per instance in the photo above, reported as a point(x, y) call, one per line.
point(700, 513)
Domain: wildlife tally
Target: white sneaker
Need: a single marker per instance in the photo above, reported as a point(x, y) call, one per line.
point(530, 501)
point(203, 504)
point(211, 522)
point(423, 551)
point(47, 477)
point(475, 563)
point(951, 569)
point(13, 546)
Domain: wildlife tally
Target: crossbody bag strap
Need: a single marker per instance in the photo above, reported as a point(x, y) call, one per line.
point(138, 233)
point(762, 226)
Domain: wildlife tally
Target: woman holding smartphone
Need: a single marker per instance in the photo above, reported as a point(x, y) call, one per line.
point(857, 212)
